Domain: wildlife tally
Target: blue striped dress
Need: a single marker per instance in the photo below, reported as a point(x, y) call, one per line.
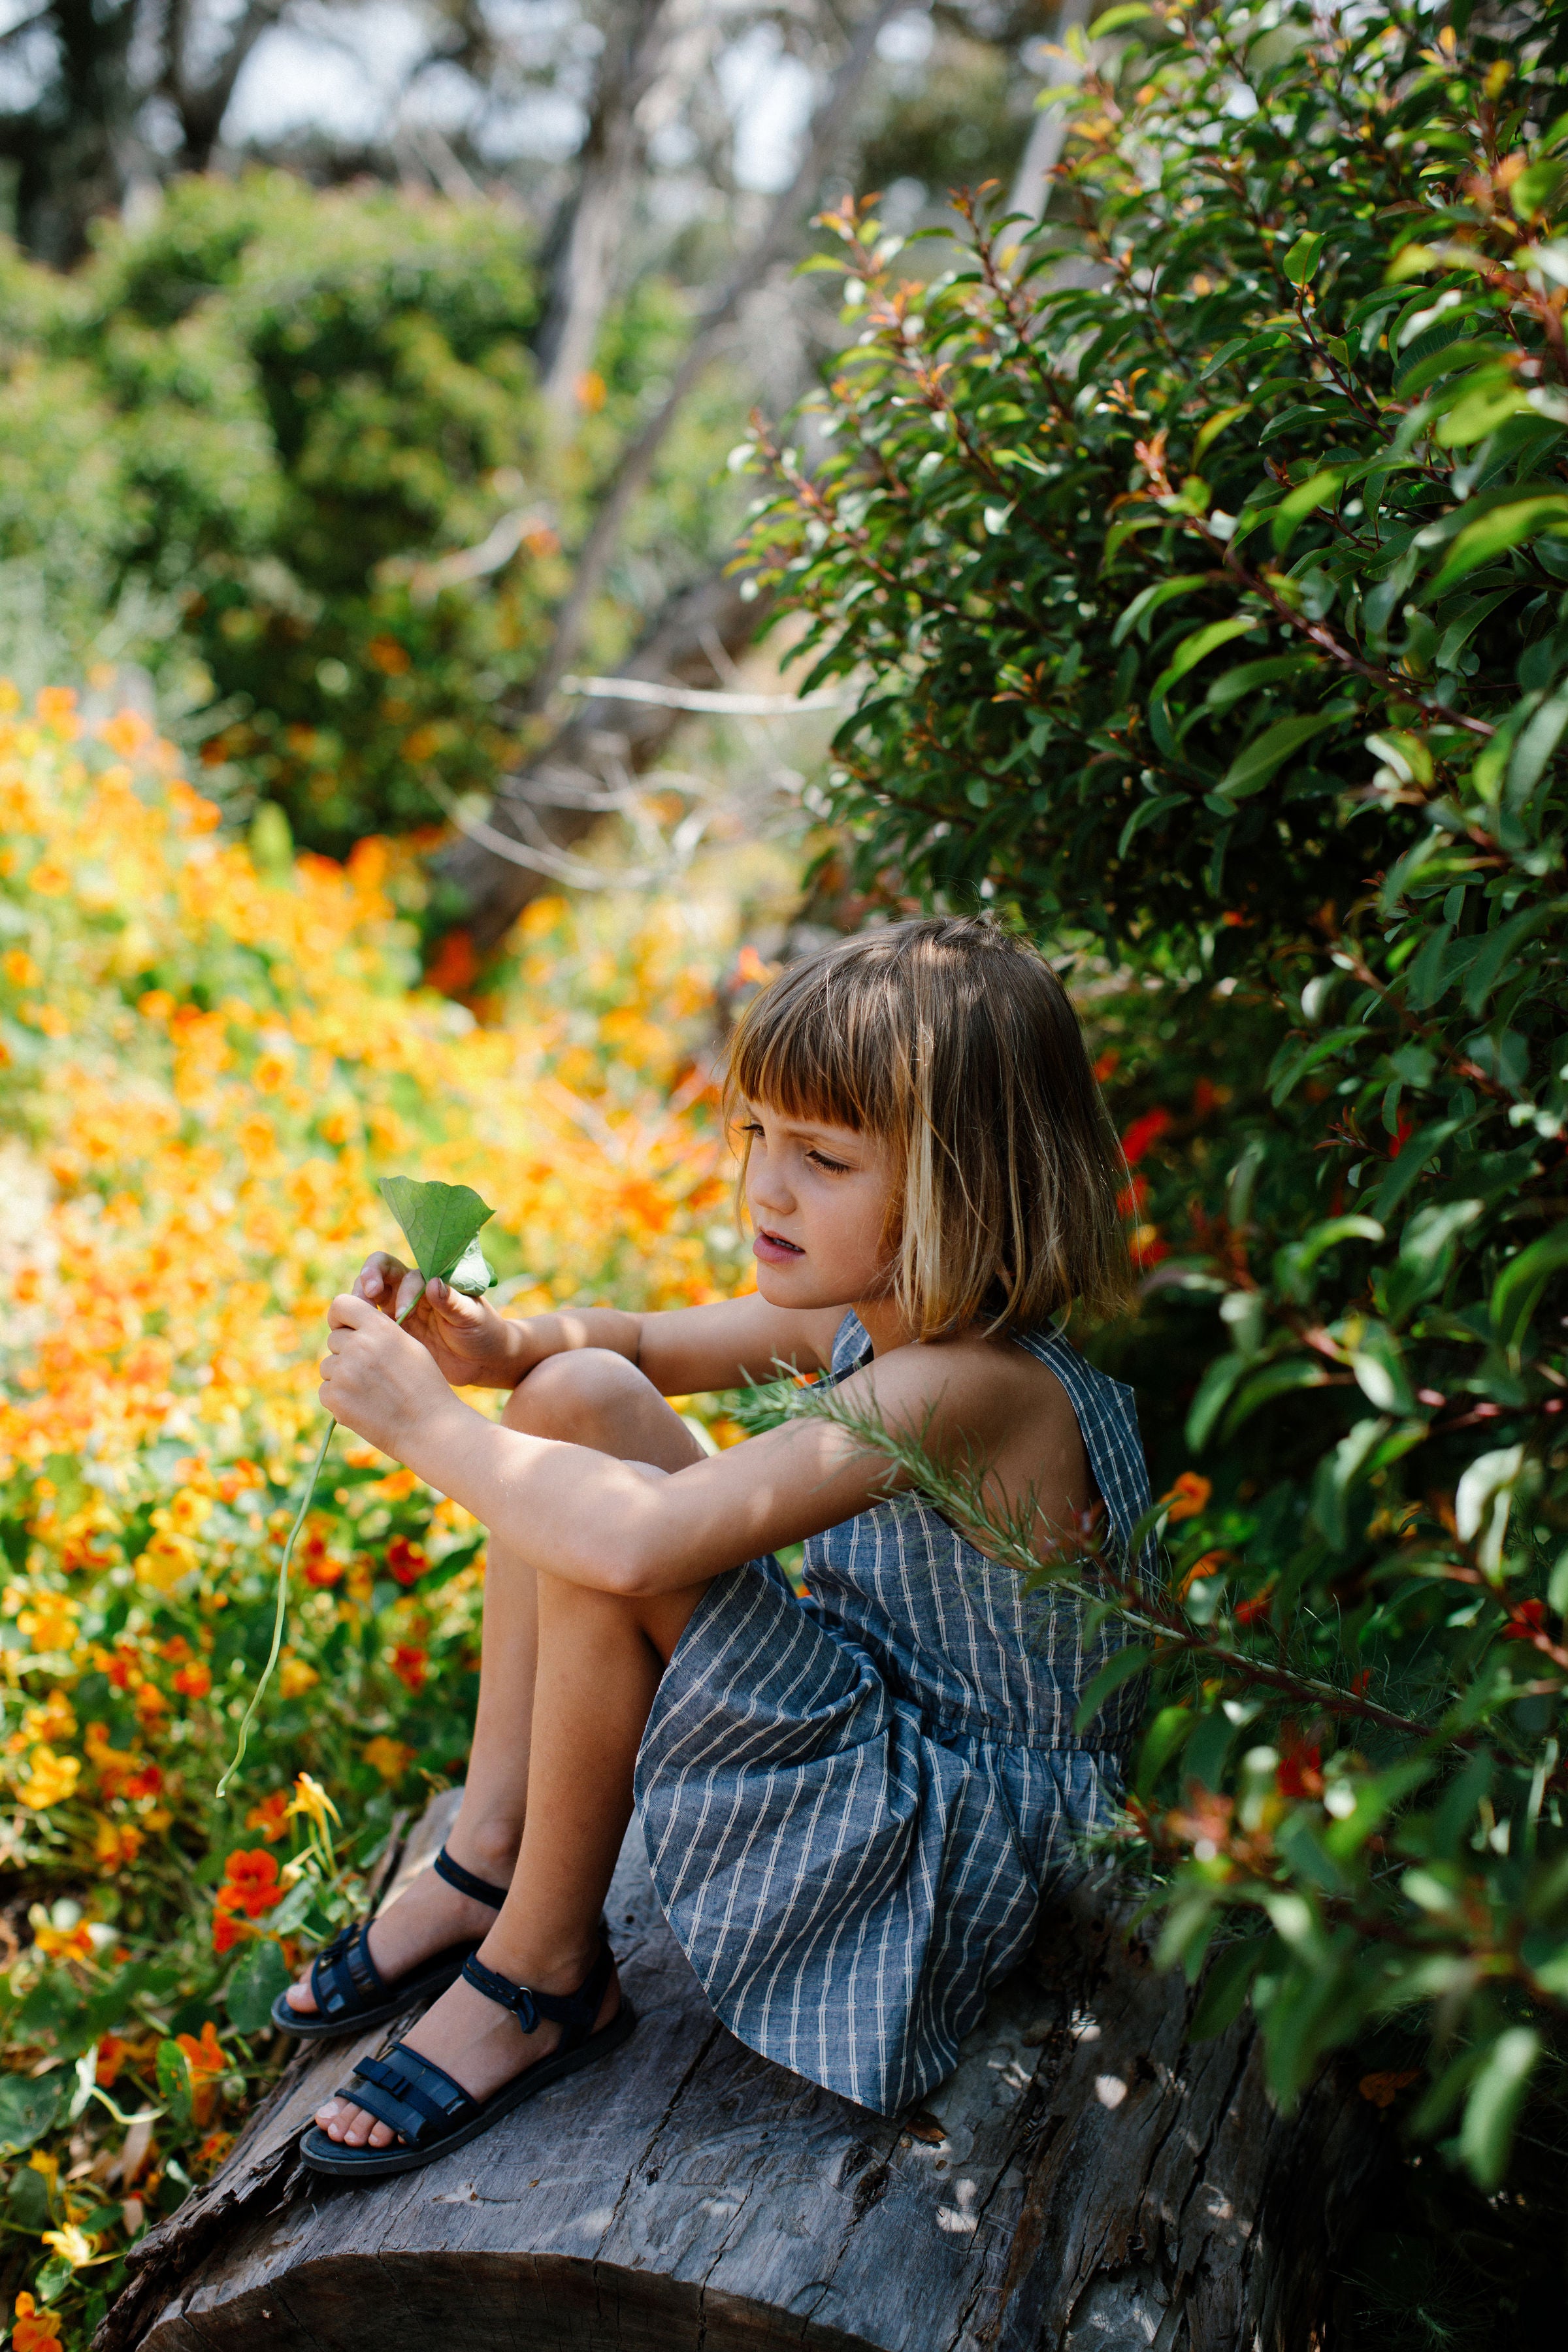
point(853, 1804)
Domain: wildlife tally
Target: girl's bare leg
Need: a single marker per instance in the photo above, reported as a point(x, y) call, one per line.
point(599, 1659)
point(594, 1398)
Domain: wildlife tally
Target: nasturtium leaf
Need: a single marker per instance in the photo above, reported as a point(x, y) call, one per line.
point(439, 1222)
point(27, 2104)
point(260, 1975)
point(473, 1273)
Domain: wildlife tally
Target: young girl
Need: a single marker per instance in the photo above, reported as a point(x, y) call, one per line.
point(852, 1802)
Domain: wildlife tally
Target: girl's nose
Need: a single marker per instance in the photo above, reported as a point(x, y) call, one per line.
point(765, 1188)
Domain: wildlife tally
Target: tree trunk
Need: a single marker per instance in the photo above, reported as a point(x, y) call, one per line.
point(492, 889)
point(1086, 2181)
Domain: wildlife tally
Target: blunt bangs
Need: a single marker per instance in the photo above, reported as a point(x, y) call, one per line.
point(956, 1045)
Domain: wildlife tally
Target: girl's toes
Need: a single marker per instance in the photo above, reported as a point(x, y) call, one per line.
point(299, 1997)
point(329, 2114)
point(382, 2137)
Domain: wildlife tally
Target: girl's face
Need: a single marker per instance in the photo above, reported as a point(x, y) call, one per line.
point(818, 1196)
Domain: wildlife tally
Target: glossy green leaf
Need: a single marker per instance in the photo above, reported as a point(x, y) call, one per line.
point(1497, 2094)
point(1266, 753)
point(259, 1974)
point(1493, 534)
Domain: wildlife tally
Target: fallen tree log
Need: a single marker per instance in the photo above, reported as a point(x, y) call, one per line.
point(1086, 2181)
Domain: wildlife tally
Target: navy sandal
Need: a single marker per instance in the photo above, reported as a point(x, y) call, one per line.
point(432, 2113)
point(350, 1991)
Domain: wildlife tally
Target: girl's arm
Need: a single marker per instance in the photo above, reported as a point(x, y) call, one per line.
point(684, 1351)
point(596, 1521)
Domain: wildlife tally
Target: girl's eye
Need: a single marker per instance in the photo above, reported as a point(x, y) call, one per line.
point(834, 1167)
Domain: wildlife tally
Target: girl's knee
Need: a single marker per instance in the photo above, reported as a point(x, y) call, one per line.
point(579, 1395)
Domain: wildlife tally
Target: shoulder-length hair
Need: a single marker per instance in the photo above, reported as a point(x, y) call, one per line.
point(955, 1044)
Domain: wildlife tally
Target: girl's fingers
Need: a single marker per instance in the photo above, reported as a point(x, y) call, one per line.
point(408, 1293)
point(380, 1273)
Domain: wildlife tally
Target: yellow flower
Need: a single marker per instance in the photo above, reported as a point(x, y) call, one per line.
point(50, 1623)
point(65, 1943)
point(390, 1758)
point(310, 1798)
point(51, 1778)
point(295, 1678)
point(52, 1721)
point(167, 1559)
point(189, 1510)
point(72, 2244)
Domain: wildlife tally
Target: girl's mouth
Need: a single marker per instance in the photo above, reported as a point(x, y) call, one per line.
point(772, 1248)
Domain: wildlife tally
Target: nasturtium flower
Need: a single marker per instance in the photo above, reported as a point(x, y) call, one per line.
point(51, 1779)
point(250, 1881)
point(1188, 1496)
point(65, 1943)
point(270, 1816)
point(32, 2330)
point(390, 1758)
point(72, 2244)
point(312, 1799)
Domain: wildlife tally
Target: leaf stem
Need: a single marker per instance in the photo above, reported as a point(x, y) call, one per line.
point(281, 1612)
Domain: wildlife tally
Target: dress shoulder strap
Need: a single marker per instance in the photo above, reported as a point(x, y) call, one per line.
point(1107, 1415)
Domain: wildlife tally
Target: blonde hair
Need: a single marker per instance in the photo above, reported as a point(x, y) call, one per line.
point(956, 1046)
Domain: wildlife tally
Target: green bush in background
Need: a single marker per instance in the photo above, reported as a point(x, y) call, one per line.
point(238, 446)
point(1201, 560)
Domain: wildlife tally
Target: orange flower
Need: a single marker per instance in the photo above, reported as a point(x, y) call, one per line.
point(206, 2061)
point(32, 2332)
point(65, 1943)
point(270, 1816)
point(410, 1664)
point(1383, 2088)
point(112, 2053)
point(1188, 1496)
point(116, 1845)
point(390, 1758)
point(194, 1681)
point(250, 1881)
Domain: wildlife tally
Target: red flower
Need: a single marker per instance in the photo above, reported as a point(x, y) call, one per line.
point(194, 1681)
point(1526, 1620)
point(1297, 1773)
point(406, 1561)
point(1142, 1133)
point(410, 1665)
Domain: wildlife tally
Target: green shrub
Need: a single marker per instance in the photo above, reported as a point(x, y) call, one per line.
point(235, 445)
point(1201, 560)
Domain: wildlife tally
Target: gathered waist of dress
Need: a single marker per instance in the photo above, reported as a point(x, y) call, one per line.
point(950, 1728)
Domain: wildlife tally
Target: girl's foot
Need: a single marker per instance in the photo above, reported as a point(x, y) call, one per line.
point(477, 2042)
point(427, 1916)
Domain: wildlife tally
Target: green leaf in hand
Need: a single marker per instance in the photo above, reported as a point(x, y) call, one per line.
point(441, 1224)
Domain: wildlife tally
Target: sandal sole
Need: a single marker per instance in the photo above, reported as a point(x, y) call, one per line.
point(419, 1984)
point(329, 2157)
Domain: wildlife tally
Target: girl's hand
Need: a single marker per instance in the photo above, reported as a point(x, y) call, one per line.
point(472, 1345)
point(378, 1381)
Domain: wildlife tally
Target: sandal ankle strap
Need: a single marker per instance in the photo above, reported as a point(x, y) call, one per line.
point(574, 2012)
point(480, 1889)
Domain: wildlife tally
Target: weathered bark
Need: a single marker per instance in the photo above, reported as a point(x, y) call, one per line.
point(537, 805)
point(1086, 2178)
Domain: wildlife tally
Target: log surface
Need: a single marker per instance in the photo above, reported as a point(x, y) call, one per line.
point(1085, 2181)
